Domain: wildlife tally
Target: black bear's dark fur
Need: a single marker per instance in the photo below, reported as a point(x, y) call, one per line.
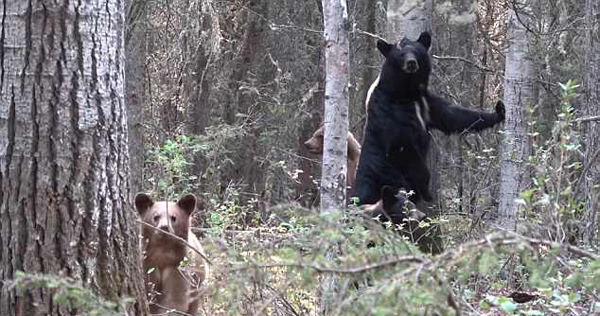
point(400, 113)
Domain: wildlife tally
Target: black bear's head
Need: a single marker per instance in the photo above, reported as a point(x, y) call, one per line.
point(405, 72)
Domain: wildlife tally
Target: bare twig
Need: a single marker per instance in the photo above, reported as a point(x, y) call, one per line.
point(587, 119)
point(178, 239)
point(466, 61)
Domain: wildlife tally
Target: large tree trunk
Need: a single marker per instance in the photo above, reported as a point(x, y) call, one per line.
point(63, 154)
point(136, 97)
point(199, 48)
point(519, 93)
point(408, 18)
point(592, 129)
point(333, 178)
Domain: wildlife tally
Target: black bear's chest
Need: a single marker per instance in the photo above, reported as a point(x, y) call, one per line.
point(405, 124)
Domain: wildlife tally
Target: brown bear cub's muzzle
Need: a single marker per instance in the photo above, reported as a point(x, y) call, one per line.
point(312, 147)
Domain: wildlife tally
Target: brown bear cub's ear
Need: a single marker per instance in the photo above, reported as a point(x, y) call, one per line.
point(187, 203)
point(384, 47)
point(143, 202)
point(425, 40)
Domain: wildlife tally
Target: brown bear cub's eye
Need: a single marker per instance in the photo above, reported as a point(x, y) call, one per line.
point(173, 218)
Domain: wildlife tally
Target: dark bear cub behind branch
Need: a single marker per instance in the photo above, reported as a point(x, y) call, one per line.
point(395, 208)
point(401, 111)
point(170, 286)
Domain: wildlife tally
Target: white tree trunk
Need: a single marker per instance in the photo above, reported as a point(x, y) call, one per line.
point(592, 130)
point(335, 146)
point(519, 93)
point(408, 18)
point(64, 197)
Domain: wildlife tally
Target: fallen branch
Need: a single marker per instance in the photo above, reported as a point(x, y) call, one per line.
point(373, 266)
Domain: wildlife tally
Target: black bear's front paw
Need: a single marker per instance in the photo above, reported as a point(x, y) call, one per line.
point(500, 111)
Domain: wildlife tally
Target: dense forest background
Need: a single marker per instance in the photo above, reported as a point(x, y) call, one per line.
point(219, 98)
point(244, 83)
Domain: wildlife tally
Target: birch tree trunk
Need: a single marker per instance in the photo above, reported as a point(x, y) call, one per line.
point(519, 93)
point(335, 146)
point(592, 129)
point(408, 18)
point(63, 154)
point(136, 97)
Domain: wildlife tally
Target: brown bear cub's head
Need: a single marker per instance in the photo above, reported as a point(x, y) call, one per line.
point(315, 144)
point(169, 219)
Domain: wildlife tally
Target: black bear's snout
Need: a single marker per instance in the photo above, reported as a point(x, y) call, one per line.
point(411, 65)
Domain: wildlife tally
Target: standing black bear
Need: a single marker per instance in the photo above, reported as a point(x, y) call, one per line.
point(400, 113)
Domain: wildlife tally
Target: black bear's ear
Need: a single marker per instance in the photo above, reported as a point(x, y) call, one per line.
point(388, 197)
point(425, 39)
point(384, 47)
point(500, 110)
point(143, 202)
point(187, 203)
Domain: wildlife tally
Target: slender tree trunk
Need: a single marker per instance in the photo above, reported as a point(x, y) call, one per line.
point(64, 207)
point(333, 178)
point(592, 129)
point(519, 93)
point(136, 97)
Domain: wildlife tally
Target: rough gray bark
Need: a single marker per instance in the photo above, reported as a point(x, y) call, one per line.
point(335, 146)
point(64, 191)
point(519, 93)
point(136, 97)
point(592, 129)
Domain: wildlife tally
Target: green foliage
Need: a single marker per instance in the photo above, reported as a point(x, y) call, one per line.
point(69, 294)
point(552, 199)
point(171, 165)
point(380, 273)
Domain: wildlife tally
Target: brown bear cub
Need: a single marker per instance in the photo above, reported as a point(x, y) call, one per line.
point(315, 146)
point(170, 284)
